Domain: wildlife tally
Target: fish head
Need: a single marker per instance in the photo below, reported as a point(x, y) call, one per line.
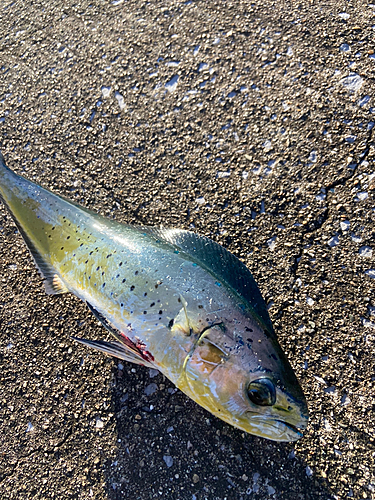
point(238, 371)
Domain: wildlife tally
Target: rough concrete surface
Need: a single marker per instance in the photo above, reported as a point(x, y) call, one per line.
point(251, 123)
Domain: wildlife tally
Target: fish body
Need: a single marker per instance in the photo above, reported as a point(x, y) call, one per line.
point(173, 300)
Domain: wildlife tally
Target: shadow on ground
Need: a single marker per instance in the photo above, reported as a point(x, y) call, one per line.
point(169, 447)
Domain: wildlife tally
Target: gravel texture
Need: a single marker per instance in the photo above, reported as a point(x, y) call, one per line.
point(251, 123)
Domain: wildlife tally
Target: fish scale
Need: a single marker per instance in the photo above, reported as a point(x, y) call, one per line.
point(173, 300)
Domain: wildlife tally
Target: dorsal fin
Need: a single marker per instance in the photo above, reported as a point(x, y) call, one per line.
point(222, 264)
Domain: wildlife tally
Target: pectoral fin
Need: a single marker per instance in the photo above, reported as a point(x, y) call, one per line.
point(115, 349)
point(123, 347)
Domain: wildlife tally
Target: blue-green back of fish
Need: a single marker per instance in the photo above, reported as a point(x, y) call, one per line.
point(86, 250)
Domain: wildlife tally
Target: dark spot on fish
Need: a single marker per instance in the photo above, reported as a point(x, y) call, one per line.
point(152, 305)
point(170, 324)
point(90, 253)
point(145, 294)
point(121, 305)
point(144, 312)
point(124, 280)
point(102, 273)
point(273, 356)
point(132, 288)
point(103, 285)
point(62, 248)
point(200, 307)
point(109, 255)
point(68, 237)
point(249, 340)
point(89, 277)
point(120, 264)
point(98, 268)
point(53, 228)
point(248, 329)
point(81, 245)
point(86, 261)
point(117, 276)
point(160, 312)
point(136, 272)
point(178, 300)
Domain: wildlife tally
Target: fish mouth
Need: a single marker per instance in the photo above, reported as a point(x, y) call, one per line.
point(276, 430)
point(292, 430)
point(283, 431)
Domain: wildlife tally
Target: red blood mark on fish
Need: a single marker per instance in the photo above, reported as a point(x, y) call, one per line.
point(141, 346)
point(138, 346)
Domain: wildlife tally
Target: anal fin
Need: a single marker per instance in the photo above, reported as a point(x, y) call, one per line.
point(55, 285)
point(52, 282)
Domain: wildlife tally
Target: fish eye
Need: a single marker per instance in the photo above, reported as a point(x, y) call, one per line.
point(262, 392)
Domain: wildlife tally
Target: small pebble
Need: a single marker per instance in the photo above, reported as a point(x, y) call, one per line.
point(168, 460)
point(99, 424)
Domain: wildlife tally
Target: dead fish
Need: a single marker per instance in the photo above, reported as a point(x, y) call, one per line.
point(173, 301)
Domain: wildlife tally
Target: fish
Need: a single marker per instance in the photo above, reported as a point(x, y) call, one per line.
point(172, 300)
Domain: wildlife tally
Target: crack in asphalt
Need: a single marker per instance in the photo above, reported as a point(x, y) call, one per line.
point(325, 214)
point(50, 451)
point(338, 182)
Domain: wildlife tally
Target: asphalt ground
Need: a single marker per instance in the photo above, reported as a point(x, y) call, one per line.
point(251, 123)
